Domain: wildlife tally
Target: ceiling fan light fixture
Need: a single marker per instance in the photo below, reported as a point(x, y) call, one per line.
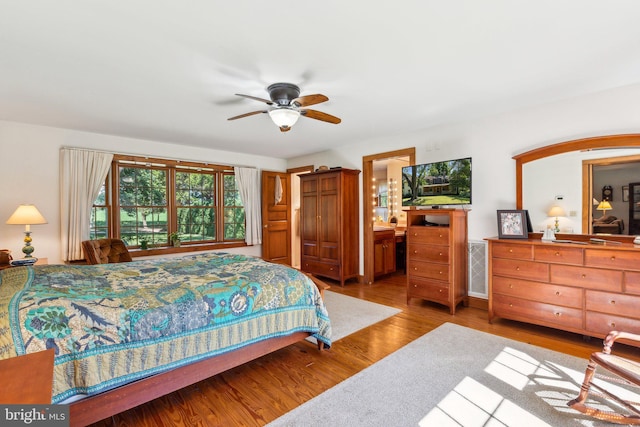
point(284, 117)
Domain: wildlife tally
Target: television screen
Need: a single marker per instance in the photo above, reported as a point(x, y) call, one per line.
point(437, 183)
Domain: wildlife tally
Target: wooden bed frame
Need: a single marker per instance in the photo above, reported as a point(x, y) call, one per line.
point(96, 408)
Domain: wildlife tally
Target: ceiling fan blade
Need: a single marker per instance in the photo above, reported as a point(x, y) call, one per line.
point(246, 115)
point(266, 101)
point(319, 115)
point(305, 101)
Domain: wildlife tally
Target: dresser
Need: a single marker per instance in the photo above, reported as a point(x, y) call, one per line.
point(584, 288)
point(329, 227)
point(437, 267)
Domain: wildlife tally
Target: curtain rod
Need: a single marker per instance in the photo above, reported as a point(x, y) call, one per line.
point(149, 156)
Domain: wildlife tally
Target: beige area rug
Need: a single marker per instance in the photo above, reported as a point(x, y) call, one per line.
point(455, 376)
point(349, 315)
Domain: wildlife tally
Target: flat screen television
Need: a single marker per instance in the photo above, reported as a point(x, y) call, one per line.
point(437, 184)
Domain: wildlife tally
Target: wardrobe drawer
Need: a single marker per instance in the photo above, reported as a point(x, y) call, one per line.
point(620, 304)
point(593, 278)
point(519, 268)
point(603, 323)
point(428, 253)
point(516, 308)
point(511, 251)
point(558, 254)
point(431, 235)
point(619, 260)
point(553, 294)
point(430, 290)
point(321, 268)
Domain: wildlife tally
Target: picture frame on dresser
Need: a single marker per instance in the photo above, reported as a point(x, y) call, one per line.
point(513, 224)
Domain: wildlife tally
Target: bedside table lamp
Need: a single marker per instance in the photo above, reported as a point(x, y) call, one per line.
point(27, 215)
point(556, 211)
point(604, 206)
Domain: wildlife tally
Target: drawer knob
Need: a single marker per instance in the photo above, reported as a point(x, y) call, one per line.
point(510, 251)
point(415, 268)
point(612, 302)
point(517, 268)
point(613, 324)
point(415, 251)
point(510, 285)
point(440, 272)
point(331, 269)
point(584, 276)
point(441, 236)
point(557, 314)
point(613, 258)
point(557, 253)
point(440, 290)
point(440, 254)
point(510, 304)
point(557, 293)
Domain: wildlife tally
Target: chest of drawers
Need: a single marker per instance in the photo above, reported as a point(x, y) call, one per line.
point(585, 289)
point(437, 257)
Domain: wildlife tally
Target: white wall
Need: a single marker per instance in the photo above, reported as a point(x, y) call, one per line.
point(29, 159)
point(493, 141)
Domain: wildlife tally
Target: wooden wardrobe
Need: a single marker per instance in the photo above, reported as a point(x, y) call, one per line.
point(329, 229)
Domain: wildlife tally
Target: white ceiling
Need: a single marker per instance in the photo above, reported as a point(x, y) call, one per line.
point(168, 70)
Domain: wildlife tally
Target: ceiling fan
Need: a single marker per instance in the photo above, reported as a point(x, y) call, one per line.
point(288, 106)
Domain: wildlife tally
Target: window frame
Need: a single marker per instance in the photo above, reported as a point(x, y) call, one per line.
point(112, 189)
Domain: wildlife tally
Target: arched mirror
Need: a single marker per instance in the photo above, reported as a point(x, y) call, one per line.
point(563, 175)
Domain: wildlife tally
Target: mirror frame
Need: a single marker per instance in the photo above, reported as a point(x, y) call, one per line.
point(593, 143)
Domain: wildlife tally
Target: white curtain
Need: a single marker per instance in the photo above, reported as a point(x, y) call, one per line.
point(248, 183)
point(82, 173)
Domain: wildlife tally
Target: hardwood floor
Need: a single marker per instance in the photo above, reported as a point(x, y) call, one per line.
point(261, 391)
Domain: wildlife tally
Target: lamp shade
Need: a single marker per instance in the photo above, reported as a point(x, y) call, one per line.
point(284, 117)
point(556, 211)
point(604, 206)
point(26, 215)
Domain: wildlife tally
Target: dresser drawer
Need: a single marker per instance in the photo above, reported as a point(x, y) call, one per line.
point(321, 268)
point(532, 311)
point(619, 260)
point(632, 282)
point(620, 304)
point(430, 290)
point(558, 254)
point(519, 268)
point(432, 235)
point(553, 294)
point(594, 278)
point(428, 253)
point(428, 270)
point(603, 323)
point(512, 251)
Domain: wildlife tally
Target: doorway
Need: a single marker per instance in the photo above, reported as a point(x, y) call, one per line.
point(370, 203)
point(615, 172)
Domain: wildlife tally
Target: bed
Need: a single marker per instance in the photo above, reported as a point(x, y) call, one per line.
point(127, 333)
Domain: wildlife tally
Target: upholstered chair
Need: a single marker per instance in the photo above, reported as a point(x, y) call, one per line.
point(104, 251)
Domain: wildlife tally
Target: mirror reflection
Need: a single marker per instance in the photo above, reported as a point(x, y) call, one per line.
point(559, 193)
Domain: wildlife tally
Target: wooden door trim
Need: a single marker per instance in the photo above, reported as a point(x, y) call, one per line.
point(367, 212)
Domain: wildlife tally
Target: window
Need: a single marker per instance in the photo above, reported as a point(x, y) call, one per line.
point(100, 216)
point(151, 198)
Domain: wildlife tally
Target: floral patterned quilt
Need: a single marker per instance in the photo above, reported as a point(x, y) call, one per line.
point(111, 324)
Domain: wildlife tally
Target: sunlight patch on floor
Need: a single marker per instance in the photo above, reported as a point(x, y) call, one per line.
point(471, 404)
